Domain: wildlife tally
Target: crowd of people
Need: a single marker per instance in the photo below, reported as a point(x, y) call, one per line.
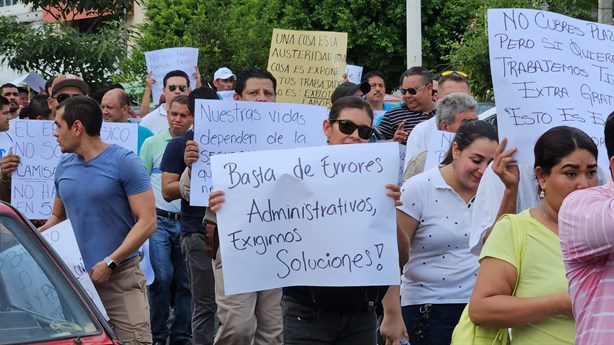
point(523, 247)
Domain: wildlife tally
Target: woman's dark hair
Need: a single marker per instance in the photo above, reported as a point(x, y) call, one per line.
point(352, 102)
point(469, 132)
point(558, 142)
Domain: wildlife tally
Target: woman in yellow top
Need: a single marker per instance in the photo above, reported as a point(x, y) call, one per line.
point(540, 310)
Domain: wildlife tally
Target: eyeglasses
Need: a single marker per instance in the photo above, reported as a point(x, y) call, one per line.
point(182, 88)
point(348, 127)
point(459, 73)
point(64, 96)
point(413, 91)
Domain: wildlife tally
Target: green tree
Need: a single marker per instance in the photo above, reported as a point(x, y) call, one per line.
point(57, 48)
point(470, 51)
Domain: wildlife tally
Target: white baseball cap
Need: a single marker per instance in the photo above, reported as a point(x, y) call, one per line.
point(223, 73)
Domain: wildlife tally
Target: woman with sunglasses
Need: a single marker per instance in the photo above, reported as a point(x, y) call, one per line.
point(337, 315)
point(539, 311)
point(439, 275)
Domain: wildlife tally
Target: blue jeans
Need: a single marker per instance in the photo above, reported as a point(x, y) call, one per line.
point(171, 281)
point(307, 325)
point(431, 324)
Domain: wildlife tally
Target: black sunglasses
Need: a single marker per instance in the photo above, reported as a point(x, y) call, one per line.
point(411, 90)
point(182, 88)
point(348, 127)
point(63, 96)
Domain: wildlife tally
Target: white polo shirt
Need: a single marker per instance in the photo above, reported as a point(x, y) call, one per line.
point(441, 270)
point(156, 120)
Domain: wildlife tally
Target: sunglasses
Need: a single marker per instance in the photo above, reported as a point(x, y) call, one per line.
point(459, 73)
point(63, 96)
point(182, 88)
point(413, 91)
point(348, 127)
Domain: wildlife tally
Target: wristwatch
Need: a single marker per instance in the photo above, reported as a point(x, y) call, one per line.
point(110, 263)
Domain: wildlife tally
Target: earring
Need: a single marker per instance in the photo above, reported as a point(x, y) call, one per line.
point(542, 193)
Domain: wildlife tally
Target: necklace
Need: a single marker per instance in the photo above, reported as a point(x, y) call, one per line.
point(546, 216)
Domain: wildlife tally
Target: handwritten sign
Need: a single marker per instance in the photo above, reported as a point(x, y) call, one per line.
point(354, 73)
point(316, 216)
point(26, 285)
point(33, 80)
point(308, 65)
point(550, 70)
point(32, 188)
point(225, 127)
point(162, 61)
point(438, 147)
point(6, 143)
point(226, 95)
point(62, 239)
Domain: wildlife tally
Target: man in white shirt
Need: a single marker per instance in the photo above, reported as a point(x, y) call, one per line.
point(175, 83)
point(450, 82)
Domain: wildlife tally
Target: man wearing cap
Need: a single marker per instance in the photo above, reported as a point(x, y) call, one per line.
point(223, 79)
point(64, 87)
point(115, 106)
point(416, 85)
point(175, 83)
point(375, 97)
point(10, 92)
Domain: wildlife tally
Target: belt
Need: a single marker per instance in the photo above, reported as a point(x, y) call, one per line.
point(168, 214)
point(132, 262)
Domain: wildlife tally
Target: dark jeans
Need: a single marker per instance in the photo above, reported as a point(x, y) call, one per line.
point(202, 284)
point(308, 325)
point(171, 275)
point(431, 324)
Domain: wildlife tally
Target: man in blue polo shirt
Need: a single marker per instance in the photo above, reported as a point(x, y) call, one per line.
point(105, 192)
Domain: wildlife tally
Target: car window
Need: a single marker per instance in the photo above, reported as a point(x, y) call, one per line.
point(37, 303)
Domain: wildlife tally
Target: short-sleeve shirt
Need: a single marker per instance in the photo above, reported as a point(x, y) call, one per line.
point(420, 137)
point(151, 154)
point(586, 230)
point(95, 196)
point(441, 270)
point(541, 274)
point(156, 120)
point(393, 118)
point(172, 162)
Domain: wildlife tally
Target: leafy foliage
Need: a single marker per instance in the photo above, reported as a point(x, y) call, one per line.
point(57, 48)
point(470, 52)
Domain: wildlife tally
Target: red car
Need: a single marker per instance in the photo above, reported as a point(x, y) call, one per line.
point(40, 301)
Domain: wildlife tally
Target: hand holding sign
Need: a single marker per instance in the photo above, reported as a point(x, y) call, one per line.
point(314, 235)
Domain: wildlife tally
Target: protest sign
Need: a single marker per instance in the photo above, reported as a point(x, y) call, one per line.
point(438, 147)
point(226, 95)
point(6, 143)
point(62, 239)
point(550, 70)
point(33, 80)
point(27, 287)
point(162, 61)
point(308, 65)
point(316, 216)
point(354, 73)
point(224, 127)
point(32, 187)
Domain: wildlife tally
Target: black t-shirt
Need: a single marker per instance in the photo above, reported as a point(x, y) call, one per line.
point(172, 162)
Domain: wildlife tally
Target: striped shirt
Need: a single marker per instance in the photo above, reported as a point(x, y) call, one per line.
point(391, 120)
point(586, 231)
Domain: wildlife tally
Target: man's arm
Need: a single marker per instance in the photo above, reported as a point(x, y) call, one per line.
point(144, 210)
point(170, 186)
point(184, 184)
point(58, 215)
point(586, 224)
